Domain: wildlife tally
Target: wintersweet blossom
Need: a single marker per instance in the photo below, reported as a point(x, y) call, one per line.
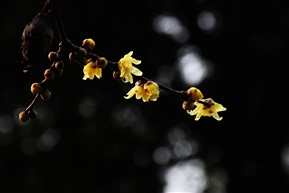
point(138, 91)
point(207, 107)
point(90, 70)
point(152, 90)
point(127, 69)
point(148, 91)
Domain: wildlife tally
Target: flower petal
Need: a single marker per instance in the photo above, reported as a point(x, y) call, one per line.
point(135, 71)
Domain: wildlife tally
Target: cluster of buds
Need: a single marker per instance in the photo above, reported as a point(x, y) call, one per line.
point(24, 116)
point(79, 54)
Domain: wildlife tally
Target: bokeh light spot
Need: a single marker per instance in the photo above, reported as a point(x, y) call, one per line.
point(186, 177)
point(162, 155)
point(171, 26)
point(192, 67)
point(208, 21)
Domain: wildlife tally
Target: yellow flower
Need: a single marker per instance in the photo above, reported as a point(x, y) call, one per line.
point(90, 70)
point(138, 91)
point(152, 90)
point(148, 91)
point(127, 69)
point(194, 94)
point(207, 107)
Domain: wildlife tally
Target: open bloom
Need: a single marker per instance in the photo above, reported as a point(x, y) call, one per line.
point(207, 107)
point(152, 90)
point(90, 70)
point(148, 91)
point(127, 69)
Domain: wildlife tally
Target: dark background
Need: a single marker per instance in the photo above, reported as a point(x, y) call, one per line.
point(88, 138)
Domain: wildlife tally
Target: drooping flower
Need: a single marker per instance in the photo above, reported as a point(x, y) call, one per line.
point(138, 91)
point(90, 70)
point(207, 107)
point(127, 69)
point(148, 91)
point(152, 90)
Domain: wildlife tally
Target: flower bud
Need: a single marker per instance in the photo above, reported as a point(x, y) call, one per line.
point(36, 88)
point(194, 94)
point(116, 75)
point(88, 44)
point(45, 95)
point(23, 116)
point(82, 52)
point(101, 62)
point(53, 56)
point(49, 74)
point(72, 57)
point(59, 65)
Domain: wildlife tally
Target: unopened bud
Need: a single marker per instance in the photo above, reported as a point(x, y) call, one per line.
point(36, 88)
point(59, 65)
point(116, 75)
point(88, 44)
point(45, 95)
point(194, 94)
point(101, 62)
point(53, 56)
point(23, 116)
point(49, 74)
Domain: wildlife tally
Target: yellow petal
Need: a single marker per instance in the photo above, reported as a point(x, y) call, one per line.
point(135, 71)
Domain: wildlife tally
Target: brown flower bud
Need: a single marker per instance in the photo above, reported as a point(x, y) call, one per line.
point(72, 57)
point(45, 95)
point(36, 88)
point(88, 44)
point(23, 116)
point(82, 52)
point(59, 65)
point(101, 62)
point(116, 75)
point(53, 56)
point(49, 74)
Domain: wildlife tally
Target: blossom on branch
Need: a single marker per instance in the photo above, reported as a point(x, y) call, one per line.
point(152, 90)
point(207, 107)
point(148, 91)
point(127, 69)
point(91, 69)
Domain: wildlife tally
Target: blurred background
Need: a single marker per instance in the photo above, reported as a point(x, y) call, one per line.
point(88, 138)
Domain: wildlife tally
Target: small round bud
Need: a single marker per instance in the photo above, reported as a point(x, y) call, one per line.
point(32, 113)
point(72, 57)
point(188, 105)
point(194, 94)
point(49, 74)
point(82, 52)
point(36, 88)
point(88, 44)
point(59, 65)
point(116, 75)
point(23, 116)
point(101, 62)
point(53, 56)
point(45, 95)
